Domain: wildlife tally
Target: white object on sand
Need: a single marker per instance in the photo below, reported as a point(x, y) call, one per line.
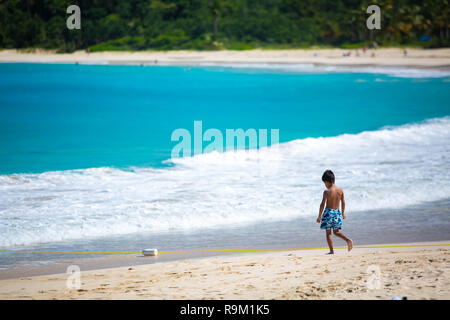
point(150, 252)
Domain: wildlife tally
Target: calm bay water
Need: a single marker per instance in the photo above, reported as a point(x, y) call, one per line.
point(60, 117)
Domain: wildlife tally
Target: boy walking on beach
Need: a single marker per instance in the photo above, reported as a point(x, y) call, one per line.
point(332, 216)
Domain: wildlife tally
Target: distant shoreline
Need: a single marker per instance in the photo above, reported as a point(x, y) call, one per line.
point(384, 57)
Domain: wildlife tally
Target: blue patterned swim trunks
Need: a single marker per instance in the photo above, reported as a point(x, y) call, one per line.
point(331, 219)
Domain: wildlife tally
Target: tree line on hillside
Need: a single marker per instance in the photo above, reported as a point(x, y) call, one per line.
point(220, 24)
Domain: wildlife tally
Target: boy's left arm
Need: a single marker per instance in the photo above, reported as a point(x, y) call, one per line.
point(322, 205)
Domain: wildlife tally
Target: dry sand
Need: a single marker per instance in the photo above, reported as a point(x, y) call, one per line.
point(415, 272)
point(383, 57)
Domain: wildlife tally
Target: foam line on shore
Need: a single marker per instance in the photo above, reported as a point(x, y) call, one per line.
point(227, 250)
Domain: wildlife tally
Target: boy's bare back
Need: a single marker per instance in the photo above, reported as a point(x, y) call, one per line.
point(333, 196)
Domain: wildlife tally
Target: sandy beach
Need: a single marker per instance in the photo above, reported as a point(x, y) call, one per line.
point(418, 272)
point(382, 57)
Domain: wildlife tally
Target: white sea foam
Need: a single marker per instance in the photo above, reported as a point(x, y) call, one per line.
point(388, 168)
point(394, 71)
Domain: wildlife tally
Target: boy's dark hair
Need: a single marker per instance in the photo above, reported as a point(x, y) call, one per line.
point(328, 176)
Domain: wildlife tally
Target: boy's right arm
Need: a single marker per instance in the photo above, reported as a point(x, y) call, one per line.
point(322, 205)
point(343, 205)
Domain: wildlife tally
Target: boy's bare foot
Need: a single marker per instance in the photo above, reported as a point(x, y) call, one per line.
point(331, 252)
point(350, 244)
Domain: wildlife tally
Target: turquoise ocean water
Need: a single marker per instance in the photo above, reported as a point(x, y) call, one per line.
point(85, 152)
point(59, 117)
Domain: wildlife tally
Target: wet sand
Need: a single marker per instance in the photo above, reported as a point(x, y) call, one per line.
point(418, 272)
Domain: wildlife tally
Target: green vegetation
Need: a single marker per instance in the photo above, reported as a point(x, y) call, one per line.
point(220, 24)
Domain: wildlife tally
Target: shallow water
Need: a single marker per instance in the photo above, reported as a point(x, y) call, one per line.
point(420, 223)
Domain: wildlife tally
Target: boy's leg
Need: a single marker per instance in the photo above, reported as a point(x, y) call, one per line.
point(330, 241)
point(344, 237)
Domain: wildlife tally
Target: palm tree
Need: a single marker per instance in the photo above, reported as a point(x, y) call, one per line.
point(216, 8)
